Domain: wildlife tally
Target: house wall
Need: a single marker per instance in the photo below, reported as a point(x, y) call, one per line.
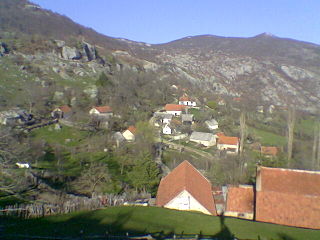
point(226, 146)
point(166, 120)
point(166, 130)
point(210, 143)
point(188, 103)
point(94, 111)
point(213, 127)
point(175, 113)
point(128, 135)
point(185, 201)
point(248, 216)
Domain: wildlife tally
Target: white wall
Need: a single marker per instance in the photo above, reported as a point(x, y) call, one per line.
point(175, 113)
point(188, 103)
point(166, 130)
point(226, 146)
point(128, 135)
point(185, 201)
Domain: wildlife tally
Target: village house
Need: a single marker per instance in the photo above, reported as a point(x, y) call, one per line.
point(212, 124)
point(103, 112)
point(187, 101)
point(240, 202)
point(206, 139)
point(269, 151)
point(167, 129)
point(129, 134)
point(187, 119)
point(62, 112)
point(228, 144)
point(174, 109)
point(162, 118)
point(185, 188)
point(288, 197)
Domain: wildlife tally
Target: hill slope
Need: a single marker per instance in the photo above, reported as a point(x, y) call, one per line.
point(264, 68)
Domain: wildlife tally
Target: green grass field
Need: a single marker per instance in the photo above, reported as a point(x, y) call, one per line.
point(65, 136)
point(158, 221)
point(268, 138)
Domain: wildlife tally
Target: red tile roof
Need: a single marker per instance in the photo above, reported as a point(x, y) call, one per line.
point(220, 134)
point(184, 98)
point(228, 140)
point(132, 129)
point(240, 199)
point(186, 177)
point(104, 109)
point(174, 107)
point(273, 151)
point(65, 108)
point(289, 197)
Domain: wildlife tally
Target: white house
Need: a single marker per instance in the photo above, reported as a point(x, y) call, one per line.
point(62, 112)
point(129, 134)
point(102, 111)
point(212, 124)
point(186, 101)
point(174, 109)
point(162, 117)
point(185, 188)
point(167, 130)
point(206, 139)
point(228, 144)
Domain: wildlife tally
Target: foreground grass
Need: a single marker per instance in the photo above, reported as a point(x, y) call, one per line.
point(158, 221)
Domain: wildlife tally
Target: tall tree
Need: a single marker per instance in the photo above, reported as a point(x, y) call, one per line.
point(242, 138)
point(315, 146)
point(290, 128)
point(144, 176)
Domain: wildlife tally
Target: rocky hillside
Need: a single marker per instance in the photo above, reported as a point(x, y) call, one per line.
point(264, 68)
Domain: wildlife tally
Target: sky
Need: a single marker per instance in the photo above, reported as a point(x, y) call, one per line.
point(160, 21)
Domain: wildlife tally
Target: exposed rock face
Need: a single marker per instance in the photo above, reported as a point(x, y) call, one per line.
point(70, 53)
point(60, 43)
point(90, 51)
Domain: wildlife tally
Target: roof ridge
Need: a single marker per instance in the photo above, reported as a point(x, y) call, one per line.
point(291, 170)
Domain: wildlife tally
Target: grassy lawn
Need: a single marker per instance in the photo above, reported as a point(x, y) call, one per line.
point(66, 135)
point(268, 138)
point(158, 221)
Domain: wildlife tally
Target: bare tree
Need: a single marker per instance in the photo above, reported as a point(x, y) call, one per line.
point(93, 178)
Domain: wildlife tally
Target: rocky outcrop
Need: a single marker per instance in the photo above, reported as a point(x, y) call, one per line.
point(70, 53)
point(90, 51)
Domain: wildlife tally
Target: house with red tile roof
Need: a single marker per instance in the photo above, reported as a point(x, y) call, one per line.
point(288, 197)
point(174, 109)
point(130, 133)
point(240, 201)
point(228, 144)
point(269, 151)
point(62, 112)
point(185, 188)
point(187, 101)
point(101, 111)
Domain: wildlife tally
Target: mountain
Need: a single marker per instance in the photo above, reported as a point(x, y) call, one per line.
point(263, 68)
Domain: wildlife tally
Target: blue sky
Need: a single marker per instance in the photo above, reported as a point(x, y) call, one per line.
point(159, 21)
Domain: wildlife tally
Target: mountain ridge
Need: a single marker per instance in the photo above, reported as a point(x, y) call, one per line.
point(270, 68)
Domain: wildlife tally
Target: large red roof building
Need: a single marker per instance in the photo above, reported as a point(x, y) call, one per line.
point(185, 188)
point(288, 197)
